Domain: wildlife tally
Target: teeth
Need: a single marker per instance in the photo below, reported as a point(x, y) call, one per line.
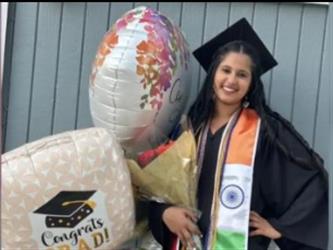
point(229, 89)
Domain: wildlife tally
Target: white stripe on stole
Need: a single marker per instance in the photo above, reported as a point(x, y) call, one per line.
point(235, 198)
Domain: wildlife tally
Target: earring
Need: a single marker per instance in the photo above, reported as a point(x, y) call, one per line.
point(245, 103)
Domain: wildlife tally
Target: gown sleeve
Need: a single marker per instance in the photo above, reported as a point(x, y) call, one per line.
point(158, 228)
point(296, 197)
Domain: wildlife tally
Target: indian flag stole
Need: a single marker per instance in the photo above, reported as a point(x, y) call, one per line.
point(232, 209)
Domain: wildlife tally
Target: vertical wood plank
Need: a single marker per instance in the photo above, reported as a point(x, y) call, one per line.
point(152, 5)
point(69, 66)
point(215, 11)
point(96, 19)
point(21, 74)
point(45, 71)
point(322, 125)
point(267, 32)
point(193, 30)
point(171, 10)
point(32, 80)
point(240, 10)
point(118, 9)
point(286, 47)
point(306, 87)
point(7, 72)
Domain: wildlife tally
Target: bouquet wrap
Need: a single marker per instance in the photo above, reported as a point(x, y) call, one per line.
point(171, 177)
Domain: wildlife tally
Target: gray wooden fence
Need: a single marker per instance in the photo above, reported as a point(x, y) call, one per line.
point(50, 48)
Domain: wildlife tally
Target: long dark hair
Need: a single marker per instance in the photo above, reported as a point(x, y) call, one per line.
point(203, 107)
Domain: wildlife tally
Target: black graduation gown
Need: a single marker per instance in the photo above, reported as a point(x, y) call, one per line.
point(293, 199)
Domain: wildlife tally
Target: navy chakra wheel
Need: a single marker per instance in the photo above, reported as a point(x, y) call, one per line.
point(232, 196)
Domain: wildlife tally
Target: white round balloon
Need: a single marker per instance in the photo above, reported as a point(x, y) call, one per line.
point(140, 81)
point(67, 191)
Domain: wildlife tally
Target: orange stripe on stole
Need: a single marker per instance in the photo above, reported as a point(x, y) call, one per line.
point(243, 138)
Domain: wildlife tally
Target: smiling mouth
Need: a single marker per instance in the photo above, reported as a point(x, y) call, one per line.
point(228, 89)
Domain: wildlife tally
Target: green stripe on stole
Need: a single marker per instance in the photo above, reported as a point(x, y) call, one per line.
point(231, 240)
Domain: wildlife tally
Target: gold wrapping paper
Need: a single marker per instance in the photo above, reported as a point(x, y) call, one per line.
point(171, 177)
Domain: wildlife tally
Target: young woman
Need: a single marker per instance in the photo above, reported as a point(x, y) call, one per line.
point(259, 180)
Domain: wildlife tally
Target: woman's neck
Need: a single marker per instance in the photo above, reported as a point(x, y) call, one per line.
point(224, 111)
point(222, 114)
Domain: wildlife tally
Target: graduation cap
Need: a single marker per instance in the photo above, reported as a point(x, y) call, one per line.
point(67, 208)
point(241, 30)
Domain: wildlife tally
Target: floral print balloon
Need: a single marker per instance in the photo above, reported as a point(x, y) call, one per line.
point(140, 79)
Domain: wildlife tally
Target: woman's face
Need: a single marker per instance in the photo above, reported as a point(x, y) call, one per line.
point(232, 78)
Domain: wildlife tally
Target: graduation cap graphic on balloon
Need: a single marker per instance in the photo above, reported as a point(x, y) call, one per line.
point(67, 209)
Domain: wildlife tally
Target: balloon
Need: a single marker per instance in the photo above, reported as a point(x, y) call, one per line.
point(140, 79)
point(67, 191)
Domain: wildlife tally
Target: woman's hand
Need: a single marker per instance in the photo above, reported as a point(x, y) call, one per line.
point(262, 227)
point(181, 222)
